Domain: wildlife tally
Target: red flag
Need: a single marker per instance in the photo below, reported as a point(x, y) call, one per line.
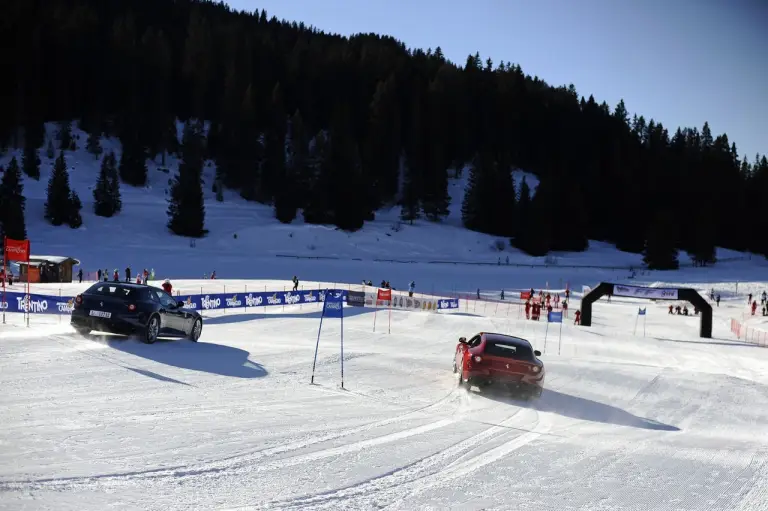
point(384, 295)
point(525, 295)
point(16, 250)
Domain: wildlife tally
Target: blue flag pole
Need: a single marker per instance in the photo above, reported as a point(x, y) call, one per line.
point(342, 348)
point(317, 345)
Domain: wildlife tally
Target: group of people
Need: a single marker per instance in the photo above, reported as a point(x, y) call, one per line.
point(534, 304)
point(763, 302)
point(141, 277)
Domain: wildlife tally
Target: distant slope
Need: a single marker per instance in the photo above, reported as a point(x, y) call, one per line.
point(138, 235)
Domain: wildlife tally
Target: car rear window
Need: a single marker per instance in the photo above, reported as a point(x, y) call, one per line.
point(508, 350)
point(115, 290)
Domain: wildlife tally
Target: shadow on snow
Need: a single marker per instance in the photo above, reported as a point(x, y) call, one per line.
point(581, 408)
point(227, 319)
point(205, 357)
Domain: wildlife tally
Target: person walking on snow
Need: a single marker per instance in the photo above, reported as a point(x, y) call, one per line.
point(295, 283)
point(754, 307)
point(577, 317)
point(749, 298)
point(527, 309)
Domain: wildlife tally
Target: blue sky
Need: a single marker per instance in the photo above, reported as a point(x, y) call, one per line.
point(681, 62)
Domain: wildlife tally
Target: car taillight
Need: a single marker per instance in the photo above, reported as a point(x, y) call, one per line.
point(478, 358)
point(79, 300)
point(535, 369)
point(131, 307)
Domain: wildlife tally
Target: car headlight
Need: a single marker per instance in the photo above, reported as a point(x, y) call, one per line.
point(478, 358)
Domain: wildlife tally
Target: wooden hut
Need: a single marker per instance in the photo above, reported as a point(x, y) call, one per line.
point(47, 269)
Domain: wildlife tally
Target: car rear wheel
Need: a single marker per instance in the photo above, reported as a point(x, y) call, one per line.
point(82, 330)
point(197, 330)
point(153, 330)
point(461, 381)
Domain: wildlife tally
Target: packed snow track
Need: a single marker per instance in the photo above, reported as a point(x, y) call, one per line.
point(665, 422)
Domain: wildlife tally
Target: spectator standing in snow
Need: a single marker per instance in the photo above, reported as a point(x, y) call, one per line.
point(167, 287)
point(128, 274)
point(105, 274)
point(295, 283)
point(749, 298)
point(478, 293)
point(411, 287)
point(717, 300)
point(80, 275)
point(98, 275)
point(116, 276)
point(577, 317)
point(502, 294)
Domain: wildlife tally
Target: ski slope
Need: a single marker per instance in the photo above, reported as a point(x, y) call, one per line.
point(664, 421)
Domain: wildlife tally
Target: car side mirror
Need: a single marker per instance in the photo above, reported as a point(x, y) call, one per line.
point(180, 305)
point(537, 353)
point(463, 340)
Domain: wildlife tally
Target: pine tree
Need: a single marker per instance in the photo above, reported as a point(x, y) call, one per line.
point(30, 162)
point(523, 208)
point(93, 144)
point(660, 251)
point(133, 162)
point(410, 197)
point(12, 203)
point(75, 220)
point(186, 208)
point(65, 135)
point(106, 198)
point(58, 203)
point(114, 182)
point(317, 208)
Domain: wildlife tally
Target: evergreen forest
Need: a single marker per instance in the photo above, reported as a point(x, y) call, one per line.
point(338, 127)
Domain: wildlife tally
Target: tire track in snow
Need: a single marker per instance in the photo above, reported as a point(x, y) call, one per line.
point(439, 468)
point(242, 461)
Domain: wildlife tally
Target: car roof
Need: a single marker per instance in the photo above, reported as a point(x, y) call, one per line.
point(507, 339)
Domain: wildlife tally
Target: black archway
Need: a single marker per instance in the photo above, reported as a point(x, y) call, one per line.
point(651, 293)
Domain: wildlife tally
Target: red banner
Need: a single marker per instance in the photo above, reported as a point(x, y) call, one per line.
point(384, 295)
point(525, 295)
point(16, 250)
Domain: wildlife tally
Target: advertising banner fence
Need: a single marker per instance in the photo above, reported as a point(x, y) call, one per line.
point(17, 302)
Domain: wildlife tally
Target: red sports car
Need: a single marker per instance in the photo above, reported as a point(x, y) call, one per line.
point(501, 359)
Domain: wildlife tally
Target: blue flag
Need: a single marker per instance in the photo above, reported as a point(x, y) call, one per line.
point(555, 317)
point(333, 307)
point(640, 312)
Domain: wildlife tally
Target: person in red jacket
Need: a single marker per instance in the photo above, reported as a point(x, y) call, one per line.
point(167, 287)
point(577, 317)
point(527, 309)
point(754, 307)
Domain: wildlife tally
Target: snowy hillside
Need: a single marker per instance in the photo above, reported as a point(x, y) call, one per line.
point(138, 237)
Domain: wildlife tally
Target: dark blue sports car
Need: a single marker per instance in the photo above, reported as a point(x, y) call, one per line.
point(134, 309)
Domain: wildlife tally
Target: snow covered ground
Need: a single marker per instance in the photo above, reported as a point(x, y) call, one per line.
point(664, 420)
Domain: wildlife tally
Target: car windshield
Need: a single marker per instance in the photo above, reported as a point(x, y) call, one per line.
point(508, 350)
point(111, 289)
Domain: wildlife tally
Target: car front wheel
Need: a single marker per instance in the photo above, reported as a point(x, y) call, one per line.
point(153, 330)
point(197, 330)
